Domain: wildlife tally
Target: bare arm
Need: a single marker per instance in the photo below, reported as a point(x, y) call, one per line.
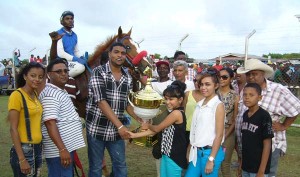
point(13, 117)
point(141, 134)
point(220, 116)
point(174, 117)
point(53, 132)
point(277, 126)
point(235, 113)
point(110, 115)
point(264, 157)
point(185, 100)
point(130, 111)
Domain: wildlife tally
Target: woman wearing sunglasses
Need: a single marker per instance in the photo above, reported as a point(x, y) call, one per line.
point(230, 99)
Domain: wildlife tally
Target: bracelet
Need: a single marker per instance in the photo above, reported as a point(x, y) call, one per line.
point(120, 127)
point(62, 150)
point(21, 161)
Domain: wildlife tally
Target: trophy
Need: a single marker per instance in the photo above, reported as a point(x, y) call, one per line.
point(147, 101)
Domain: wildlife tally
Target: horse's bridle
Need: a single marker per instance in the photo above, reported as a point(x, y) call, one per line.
point(121, 41)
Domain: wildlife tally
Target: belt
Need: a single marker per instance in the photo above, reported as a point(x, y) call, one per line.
point(204, 147)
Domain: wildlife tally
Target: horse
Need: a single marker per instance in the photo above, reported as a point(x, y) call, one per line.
point(135, 61)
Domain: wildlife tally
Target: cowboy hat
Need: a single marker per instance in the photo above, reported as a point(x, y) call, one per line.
point(255, 64)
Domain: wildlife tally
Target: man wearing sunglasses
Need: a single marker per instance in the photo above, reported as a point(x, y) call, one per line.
point(60, 120)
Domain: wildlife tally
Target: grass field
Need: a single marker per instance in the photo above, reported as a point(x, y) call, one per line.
point(139, 159)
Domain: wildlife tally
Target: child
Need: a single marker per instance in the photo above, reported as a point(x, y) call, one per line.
point(173, 146)
point(257, 134)
point(207, 131)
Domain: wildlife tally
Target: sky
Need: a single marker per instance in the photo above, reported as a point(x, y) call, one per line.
point(214, 27)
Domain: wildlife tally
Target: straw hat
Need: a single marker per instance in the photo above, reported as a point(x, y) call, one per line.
point(255, 64)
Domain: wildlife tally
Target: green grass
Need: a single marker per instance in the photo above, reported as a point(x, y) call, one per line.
point(139, 159)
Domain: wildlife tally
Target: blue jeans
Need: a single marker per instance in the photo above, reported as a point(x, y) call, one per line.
point(274, 162)
point(55, 169)
point(202, 158)
point(247, 174)
point(116, 150)
point(169, 168)
point(33, 155)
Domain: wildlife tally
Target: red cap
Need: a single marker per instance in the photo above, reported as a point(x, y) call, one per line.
point(162, 62)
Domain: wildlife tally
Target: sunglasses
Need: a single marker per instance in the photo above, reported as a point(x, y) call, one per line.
point(224, 77)
point(60, 71)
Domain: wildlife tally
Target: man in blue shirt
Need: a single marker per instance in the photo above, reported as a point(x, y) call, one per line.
point(67, 46)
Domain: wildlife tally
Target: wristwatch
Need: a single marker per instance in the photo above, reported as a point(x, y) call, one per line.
point(211, 158)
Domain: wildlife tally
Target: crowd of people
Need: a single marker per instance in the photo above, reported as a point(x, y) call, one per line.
point(208, 113)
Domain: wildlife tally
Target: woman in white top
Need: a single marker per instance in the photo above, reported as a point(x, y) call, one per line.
point(205, 153)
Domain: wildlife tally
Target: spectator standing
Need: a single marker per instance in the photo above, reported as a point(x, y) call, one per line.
point(180, 70)
point(60, 120)
point(109, 87)
point(217, 65)
point(16, 58)
point(32, 58)
point(191, 99)
point(257, 134)
point(205, 153)
point(277, 100)
point(25, 122)
point(230, 99)
point(239, 82)
point(179, 55)
point(39, 60)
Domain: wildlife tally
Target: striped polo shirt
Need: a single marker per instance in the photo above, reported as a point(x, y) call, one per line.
point(58, 106)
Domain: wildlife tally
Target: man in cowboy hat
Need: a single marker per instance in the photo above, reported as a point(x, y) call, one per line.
point(277, 100)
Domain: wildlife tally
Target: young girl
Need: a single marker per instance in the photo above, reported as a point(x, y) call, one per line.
point(230, 99)
point(173, 146)
point(26, 153)
point(207, 131)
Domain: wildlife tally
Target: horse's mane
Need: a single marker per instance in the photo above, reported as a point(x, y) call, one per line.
point(94, 60)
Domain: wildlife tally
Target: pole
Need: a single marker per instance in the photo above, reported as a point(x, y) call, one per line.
point(184, 37)
point(246, 44)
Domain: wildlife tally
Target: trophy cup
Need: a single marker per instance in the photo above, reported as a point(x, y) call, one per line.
point(145, 103)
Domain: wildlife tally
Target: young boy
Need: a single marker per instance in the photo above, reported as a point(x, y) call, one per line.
point(257, 134)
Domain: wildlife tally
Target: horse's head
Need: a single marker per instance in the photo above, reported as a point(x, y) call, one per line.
point(134, 58)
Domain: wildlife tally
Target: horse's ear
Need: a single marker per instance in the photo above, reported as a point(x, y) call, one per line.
point(129, 32)
point(120, 32)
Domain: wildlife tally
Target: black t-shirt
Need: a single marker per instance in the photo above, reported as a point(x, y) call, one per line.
point(254, 130)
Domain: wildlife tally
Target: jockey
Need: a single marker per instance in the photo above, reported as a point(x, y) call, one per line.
point(67, 46)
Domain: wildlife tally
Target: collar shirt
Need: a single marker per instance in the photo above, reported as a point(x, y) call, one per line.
point(280, 102)
point(203, 123)
point(103, 86)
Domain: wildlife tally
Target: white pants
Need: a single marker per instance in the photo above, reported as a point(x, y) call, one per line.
point(75, 68)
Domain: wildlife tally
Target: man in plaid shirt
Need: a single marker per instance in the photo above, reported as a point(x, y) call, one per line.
point(277, 100)
point(179, 55)
point(109, 87)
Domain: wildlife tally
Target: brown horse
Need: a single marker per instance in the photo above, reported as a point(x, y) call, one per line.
point(100, 57)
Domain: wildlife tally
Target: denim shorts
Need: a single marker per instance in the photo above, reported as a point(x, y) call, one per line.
point(33, 154)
